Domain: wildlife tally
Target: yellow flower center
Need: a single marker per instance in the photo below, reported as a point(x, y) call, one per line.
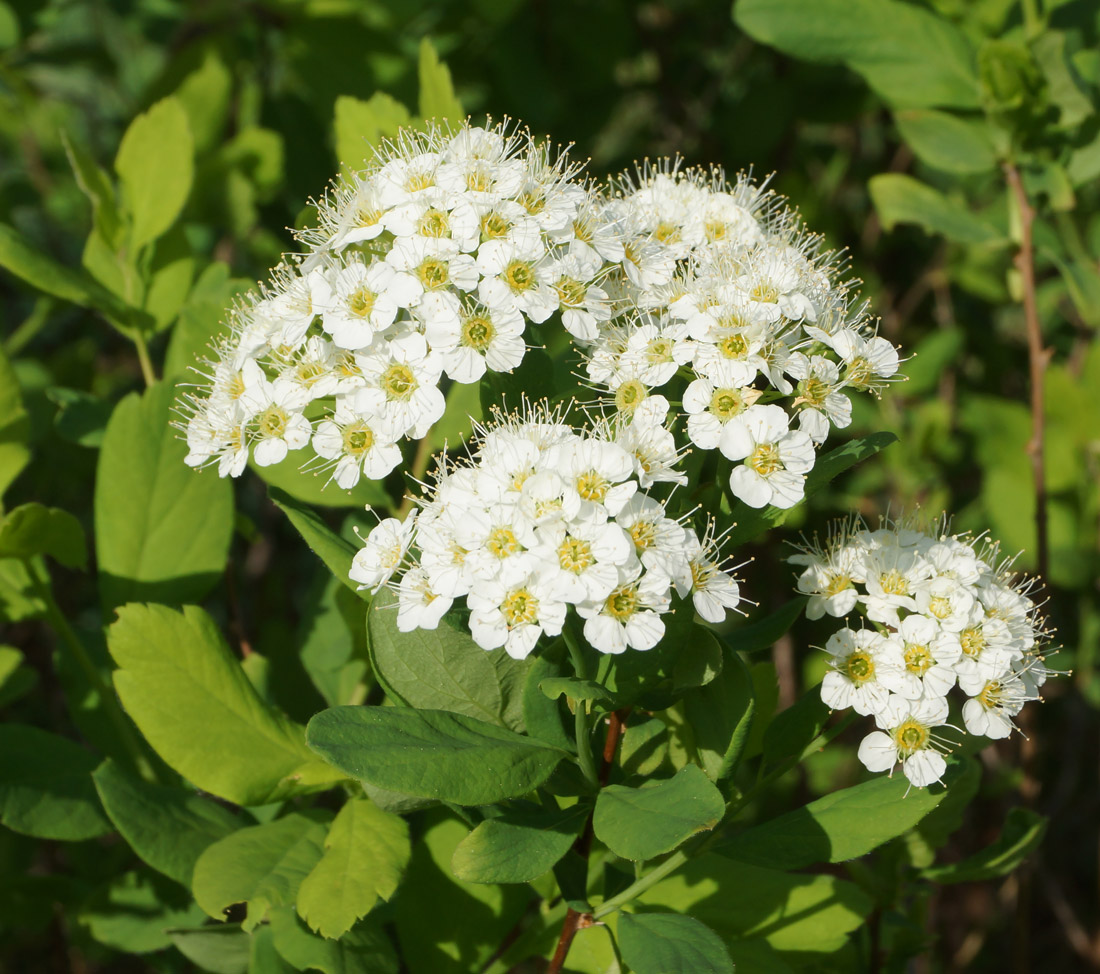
point(570, 291)
point(973, 642)
point(502, 542)
point(764, 292)
point(939, 606)
point(837, 582)
point(520, 608)
point(860, 667)
point(643, 534)
point(575, 555)
point(533, 203)
point(361, 302)
point(622, 603)
point(765, 459)
point(519, 275)
point(494, 225)
point(358, 439)
point(893, 582)
point(272, 421)
point(309, 372)
point(727, 403)
point(911, 737)
point(859, 373)
point(667, 233)
point(433, 273)
point(733, 346)
point(715, 230)
point(630, 395)
point(659, 350)
point(918, 659)
point(416, 181)
point(992, 695)
point(367, 216)
point(398, 382)
point(593, 486)
point(434, 223)
point(814, 390)
point(477, 333)
point(236, 386)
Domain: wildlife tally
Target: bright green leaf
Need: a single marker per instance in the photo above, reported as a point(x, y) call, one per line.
point(656, 943)
point(262, 865)
point(96, 185)
point(902, 199)
point(155, 164)
point(432, 753)
point(643, 823)
point(34, 529)
point(168, 828)
point(162, 529)
point(362, 125)
point(366, 851)
point(204, 95)
point(179, 682)
point(315, 487)
point(948, 142)
point(46, 786)
point(437, 94)
point(202, 318)
point(910, 56)
point(518, 846)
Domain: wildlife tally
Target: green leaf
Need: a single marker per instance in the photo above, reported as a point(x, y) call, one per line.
point(215, 949)
point(20, 597)
point(720, 715)
point(168, 828)
point(765, 633)
point(932, 356)
point(948, 142)
point(910, 56)
point(15, 426)
point(155, 164)
point(444, 669)
point(902, 199)
point(366, 949)
point(46, 275)
point(171, 274)
point(791, 911)
point(656, 943)
point(162, 529)
point(366, 852)
point(96, 185)
point(519, 845)
point(336, 552)
point(204, 95)
point(1083, 284)
point(264, 956)
point(432, 753)
point(1022, 832)
point(134, 912)
point(46, 786)
point(1064, 86)
point(793, 729)
point(751, 522)
point(202, 318)
point(645, 744)
point(841, 825)
point(555, 686)
point(437, 94)
point(16, 679)
point(642, 823)
point(360, 126)
point(34, 529)
point(82, 418)
point(314, 487)
point(332, 641)
point(543, 717)
point(181, 685)
point(699, 659)
point(262, 865)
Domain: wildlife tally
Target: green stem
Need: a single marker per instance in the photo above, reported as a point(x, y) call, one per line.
point(580, 715)
point(143, 357)
point(30, 327)
point(1033, 20)
point(64, 631)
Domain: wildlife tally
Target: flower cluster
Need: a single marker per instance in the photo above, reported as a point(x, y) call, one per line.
point(732, 308)
point(433, 262)
point(945, 610)
point(542, 516)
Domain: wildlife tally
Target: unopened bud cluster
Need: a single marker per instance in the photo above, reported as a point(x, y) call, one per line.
point(541, 517)
point(935, 611)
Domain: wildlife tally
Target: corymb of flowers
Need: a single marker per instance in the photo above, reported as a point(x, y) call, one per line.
point(933, 611)
point(701, 316)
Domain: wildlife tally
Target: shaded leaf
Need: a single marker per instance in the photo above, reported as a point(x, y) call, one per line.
point(34, 529)
point(902, 199)
point(517, 846)
point(656, 943)
point(1020, 836)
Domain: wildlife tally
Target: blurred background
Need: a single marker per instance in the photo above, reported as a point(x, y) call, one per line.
point(275, 92)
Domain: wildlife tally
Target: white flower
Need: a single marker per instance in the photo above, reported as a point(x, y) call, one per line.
point(278, 424)
point(629, 616)
point(471, 338)
point(517, 276)
point(514, 614)
point(713, 591)
point(993, 703)
point(358, 447)
point(710, 407)
point(418, 606)
point(376, 562)
point(401, 386)
point(865, 668)
point(776, 459)
point(929, 657)
point(364, 300)
point(909, 738)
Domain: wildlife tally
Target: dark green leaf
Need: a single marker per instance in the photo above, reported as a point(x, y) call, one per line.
point(792, 730)
point(841, 825)
point(765, 633)
point(432, 753)
point(334, 551)
point(444, 669)
point(720, 715)
point(1022, 832)
point(16, 679)
point(179, 682)
point(135, 911)
point(162, 529)
point(15, 426)
point(262, 865)
point(216, 949)
point(555, 686)
point(366, 949)
point(167, 827)
point(82, 418)
point(657, 943)
point(518, 846)
point(642, 823)
point(46, 786)
point(911, 56)
point(34, 529)
point(699, 658)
